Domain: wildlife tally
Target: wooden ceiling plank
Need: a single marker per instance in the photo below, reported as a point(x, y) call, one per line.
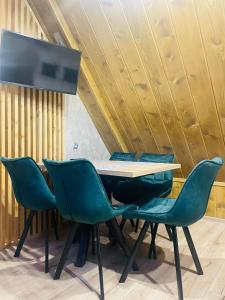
point(159, 22)
point(211, 19)
point(148, 52)
point(91, 83)
point(189, 37)
point(100, 83)
point(119, 71)
point(111, 116)
point(92, 86)
point(86, 37)
point(107, 96)
point(128, 48)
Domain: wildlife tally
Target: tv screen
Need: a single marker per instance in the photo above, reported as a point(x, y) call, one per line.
point(34, 63)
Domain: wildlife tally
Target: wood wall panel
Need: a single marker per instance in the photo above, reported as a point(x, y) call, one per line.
point(192, 48)
point(171, 60)
point(31, 124)
point(157, 67)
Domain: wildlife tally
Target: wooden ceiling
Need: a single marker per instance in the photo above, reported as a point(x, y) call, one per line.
point(153, 71)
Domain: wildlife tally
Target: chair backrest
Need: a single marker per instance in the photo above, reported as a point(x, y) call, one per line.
point(192, 201)
point(80, 195)
point(29, 185)
point(159, 158)
point(123, 156)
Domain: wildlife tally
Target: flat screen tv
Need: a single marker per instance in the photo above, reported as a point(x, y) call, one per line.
point(35, 63)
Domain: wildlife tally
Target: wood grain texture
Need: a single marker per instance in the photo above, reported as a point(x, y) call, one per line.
point(131, 169)
point(31, 124)
point(157, 67)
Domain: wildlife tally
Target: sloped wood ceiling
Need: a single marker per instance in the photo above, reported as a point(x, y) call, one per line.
point(156, 67)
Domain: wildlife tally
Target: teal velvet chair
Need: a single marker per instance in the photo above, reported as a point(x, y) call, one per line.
point(140, 190)
point(32, 192)
point(81, 198)
point(188, 208)
point(123, 156)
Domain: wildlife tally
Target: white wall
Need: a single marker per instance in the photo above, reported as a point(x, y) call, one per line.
point(80, 131)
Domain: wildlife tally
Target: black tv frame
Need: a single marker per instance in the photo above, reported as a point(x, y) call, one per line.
point(49, 43)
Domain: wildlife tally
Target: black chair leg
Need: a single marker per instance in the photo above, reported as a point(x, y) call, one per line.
point(134, 252)
point(99, 261)
point(193, 250)
point(132, 223)
point(93, 240)
point(66, 250)
point(169, 232)
point(46, 241)
point(152, 248)
point(137, 225)
point(24, 233)
point(123, 222)
point(177, 262)
point(152, 228)
point(122, 241)
point(55, 224)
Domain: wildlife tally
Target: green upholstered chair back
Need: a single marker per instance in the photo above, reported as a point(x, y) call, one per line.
point(29, 185)
point(80, 195)
point(123, 156)
point(158, 158)
point(192, 201)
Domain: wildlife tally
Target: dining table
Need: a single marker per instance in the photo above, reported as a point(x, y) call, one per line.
point(123, 170)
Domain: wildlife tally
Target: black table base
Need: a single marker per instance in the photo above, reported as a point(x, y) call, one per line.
point(82, 238)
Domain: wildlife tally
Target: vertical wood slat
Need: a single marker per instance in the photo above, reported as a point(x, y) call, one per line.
point(21, 24)
point(26, 127)
point(2, 170)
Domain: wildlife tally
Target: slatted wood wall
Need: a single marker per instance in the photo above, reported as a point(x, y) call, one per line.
point(31, 123)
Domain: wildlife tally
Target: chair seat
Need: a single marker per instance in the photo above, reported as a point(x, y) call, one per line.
point(155, 209)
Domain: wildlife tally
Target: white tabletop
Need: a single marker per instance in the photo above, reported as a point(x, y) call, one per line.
point(131, 169)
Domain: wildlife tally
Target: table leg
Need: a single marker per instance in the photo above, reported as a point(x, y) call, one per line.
point(82, 237)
